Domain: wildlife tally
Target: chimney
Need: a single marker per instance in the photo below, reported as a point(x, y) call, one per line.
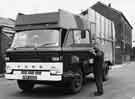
point(109, 5)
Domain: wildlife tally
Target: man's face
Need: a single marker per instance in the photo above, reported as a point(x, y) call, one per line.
point(96, 43)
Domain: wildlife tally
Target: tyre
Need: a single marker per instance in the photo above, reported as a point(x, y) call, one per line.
point(76, 84)
point(25, 86)
point(105, 72)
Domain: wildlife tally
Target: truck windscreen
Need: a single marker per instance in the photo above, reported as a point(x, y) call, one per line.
point(36, 38)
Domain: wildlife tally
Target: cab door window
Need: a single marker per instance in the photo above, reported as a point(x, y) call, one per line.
point(81, 37)
point(74, 37)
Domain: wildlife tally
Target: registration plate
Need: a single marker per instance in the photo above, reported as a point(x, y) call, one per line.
point(31, 72)
point(29, 77)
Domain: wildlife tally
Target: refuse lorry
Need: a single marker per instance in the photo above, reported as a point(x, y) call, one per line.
point(52, 48)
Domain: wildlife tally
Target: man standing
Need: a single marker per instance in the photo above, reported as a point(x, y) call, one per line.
point(98, 68)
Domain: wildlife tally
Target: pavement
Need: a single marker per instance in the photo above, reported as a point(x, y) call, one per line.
point(120, 65)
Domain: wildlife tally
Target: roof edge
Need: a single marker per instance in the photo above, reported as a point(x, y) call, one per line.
point(118, 12)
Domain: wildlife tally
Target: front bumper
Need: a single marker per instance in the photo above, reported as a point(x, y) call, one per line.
point(65, 77)
point(44, 77)
point(45, 74)
point(46, 70)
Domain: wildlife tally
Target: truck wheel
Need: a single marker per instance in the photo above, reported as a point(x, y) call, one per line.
point(25, 86)
point(76, 83)
point(105, 71)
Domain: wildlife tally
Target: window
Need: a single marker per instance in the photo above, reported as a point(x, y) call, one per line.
point(68, 39)
point(77, 37)
point(81, 37)
point(93, 29)
point(36, 38)
point(83, 34)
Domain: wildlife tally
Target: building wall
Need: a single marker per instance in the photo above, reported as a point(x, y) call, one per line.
point(123, 41)
point(133, 54)
point(1, 58)
point(126, 43)
point(6, 34)
point(4, 45)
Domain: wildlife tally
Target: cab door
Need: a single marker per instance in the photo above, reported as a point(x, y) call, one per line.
point(82, 40)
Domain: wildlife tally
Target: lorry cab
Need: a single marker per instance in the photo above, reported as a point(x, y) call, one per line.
point(52, 48)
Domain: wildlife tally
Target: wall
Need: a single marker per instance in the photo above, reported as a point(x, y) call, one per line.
point(1, 59)
point(4, 45)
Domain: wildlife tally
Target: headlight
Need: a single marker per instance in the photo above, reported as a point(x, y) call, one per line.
point(8, 69)
point(7, 58)
point(91, 61)
point(54, 70)
point(56, 58)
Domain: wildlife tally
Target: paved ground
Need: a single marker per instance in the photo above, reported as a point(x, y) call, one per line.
point(121, 85)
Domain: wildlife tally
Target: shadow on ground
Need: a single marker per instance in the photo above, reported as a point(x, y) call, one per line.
point(46, 91)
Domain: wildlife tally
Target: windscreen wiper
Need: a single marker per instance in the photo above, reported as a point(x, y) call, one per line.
point(28, 46)
point(46, 44)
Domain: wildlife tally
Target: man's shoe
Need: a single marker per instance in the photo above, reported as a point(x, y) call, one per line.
point(98, 93)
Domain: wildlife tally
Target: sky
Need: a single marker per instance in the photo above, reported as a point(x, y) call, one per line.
point(10, 8)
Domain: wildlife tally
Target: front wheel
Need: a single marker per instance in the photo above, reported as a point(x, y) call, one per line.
point(76, 84)
point(25, 86)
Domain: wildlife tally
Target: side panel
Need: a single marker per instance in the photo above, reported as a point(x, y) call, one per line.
point(107, 48)
point(103, 30)
point(77, 59)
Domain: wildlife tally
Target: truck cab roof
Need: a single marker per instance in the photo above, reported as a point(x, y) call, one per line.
point(60, 19)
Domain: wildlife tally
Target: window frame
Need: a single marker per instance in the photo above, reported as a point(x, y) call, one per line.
point(73, 38)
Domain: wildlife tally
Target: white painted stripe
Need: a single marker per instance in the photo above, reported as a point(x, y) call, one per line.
point(35, 66)
point(45, 75)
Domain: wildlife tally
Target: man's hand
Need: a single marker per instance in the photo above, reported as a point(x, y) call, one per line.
point(92, 50)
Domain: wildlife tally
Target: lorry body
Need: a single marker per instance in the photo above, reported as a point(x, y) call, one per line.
point(51, 48)
point(104, 30)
